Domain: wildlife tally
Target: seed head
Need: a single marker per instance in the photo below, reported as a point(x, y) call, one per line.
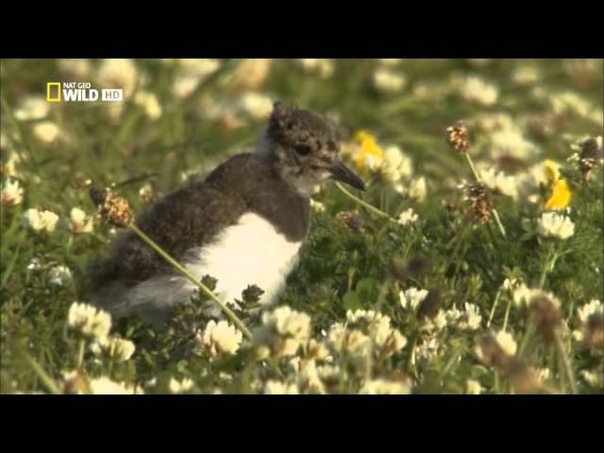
point(457, 137)
point(111, 208)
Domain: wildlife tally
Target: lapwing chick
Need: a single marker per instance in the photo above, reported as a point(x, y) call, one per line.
point(243, 224)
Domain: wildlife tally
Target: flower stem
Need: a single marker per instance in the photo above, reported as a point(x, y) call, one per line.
point(226, 310)
point(47, 381)
point(497, 296)
point(548, 266)
point(472, 167)
point(568, 370)
point(498, 222)
point(81, 353)
point(507, 315)
point(370, 207)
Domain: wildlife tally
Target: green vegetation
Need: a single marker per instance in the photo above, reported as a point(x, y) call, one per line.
point(460, 271)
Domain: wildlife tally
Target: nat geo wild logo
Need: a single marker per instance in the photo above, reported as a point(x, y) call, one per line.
point(81, 92)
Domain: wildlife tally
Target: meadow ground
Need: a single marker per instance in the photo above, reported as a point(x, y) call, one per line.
point(472, 264)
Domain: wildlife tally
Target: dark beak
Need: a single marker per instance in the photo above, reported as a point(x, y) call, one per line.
point(341, 172)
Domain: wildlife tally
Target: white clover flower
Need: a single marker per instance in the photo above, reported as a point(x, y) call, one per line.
point(352, 342)
point(34, 264)
point(356, 343)
point(407, 217)
point(180, 386)
point(473, 317)
point(220, 337)
point(46, 131)
point(328, 372)
point(510, 284)
point(592, 378)
point(12, 193)
point(473, 387)
point(499, 182)
point(198, 67)
point(228, 114)
point(118, 348)
point(256, 105)
point(535, 175)
point(390, 61)
point(590, 308)
point(10, 160)
point(363, 315)
point(147, 193)
point(77, 68)
point(523, 296)
point(288, 322)
point(184, 85)
point(544, 374)
point(377, 325)
point(79, 222)
point(279, 388)
point(118, 73)
point(555, 225)
point(475, 89)
point(335, 335)
point(469, 318)
point(317, 206)
point(149, 103)
point(480, 62)
point(569, 101)
point(453, 315)
point(394, 164)
point(511, 142)
point(593, 307)
point(225, 378)
point(32, 108)
point(506, 341)
point(105, 386)
point(320, 66)
point(417, 189)
point(387, 81)
point(309, 378)
point(294, 363)
point(385, 387)
point(526, 75)
point(493, 122)
point(428, 349)
point(412, 297)
point(59, 275)
point(438, 322)
point(430, 90)
point(39, 220)
point(374, 162)
point(89, 320)
point(251, 73)
point(394, 342)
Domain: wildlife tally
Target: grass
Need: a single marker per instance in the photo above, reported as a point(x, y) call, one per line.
point(348, 320)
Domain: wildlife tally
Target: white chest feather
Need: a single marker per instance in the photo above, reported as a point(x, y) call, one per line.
point(249, 252)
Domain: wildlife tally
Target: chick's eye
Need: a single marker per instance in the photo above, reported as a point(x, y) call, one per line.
point(302, 150)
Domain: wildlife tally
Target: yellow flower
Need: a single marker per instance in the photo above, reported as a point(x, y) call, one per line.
point(561, 194)
point(370, 153)
point(552, 172)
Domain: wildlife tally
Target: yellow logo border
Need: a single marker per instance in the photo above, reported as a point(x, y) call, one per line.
point(49, 98)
